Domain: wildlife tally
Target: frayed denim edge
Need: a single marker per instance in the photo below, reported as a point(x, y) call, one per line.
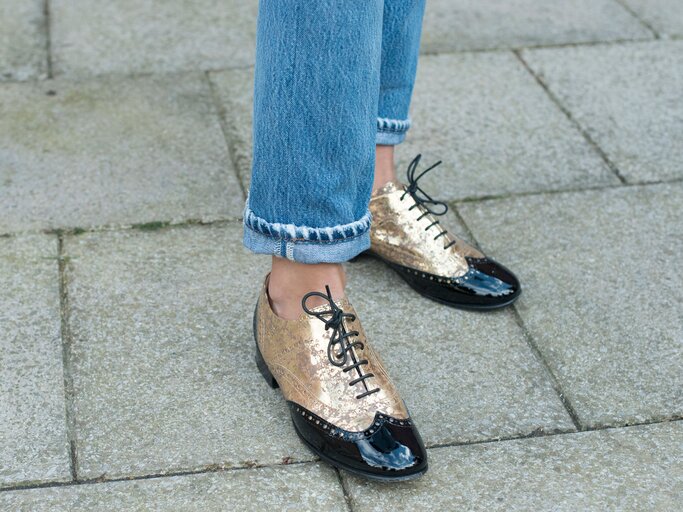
point(385, 124)
point(305, 251)
point(391, 132)
point(296, 233)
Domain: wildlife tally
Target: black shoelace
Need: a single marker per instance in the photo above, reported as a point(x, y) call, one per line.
point(339, 348)
point(424, 200)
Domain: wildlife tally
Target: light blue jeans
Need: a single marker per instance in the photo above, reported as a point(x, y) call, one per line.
point(333, 79)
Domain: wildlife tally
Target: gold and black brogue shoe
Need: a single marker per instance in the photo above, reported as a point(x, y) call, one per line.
point(342, 402)
point(406, 235)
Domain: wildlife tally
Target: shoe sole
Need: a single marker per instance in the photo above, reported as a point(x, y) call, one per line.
point(270, 380)
point(456, 305)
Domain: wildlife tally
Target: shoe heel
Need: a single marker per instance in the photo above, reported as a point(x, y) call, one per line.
point(263, 368)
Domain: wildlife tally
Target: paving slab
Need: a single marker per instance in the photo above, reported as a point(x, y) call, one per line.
point(452, 25)
point(496, 129)
point(629, 469)
point(603, 293)
point(665, 16)
point(235, 92)
point(23, 43)
point(33, 439)
point(291, 488)
point(629, 98)
point(114, 151)
point(127, 36)
point(163, 354)
point(464, 376)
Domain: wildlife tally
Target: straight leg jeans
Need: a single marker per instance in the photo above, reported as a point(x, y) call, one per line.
point(332, 79)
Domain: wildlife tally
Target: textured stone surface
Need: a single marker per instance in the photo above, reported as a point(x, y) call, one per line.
point(629, 98)
point(495, 129)
point(483, 114)
point(636, 468)
point(33, 441)
point(665, 16)
point(471, 24)
point(235, 91)
point(290, 488)
point(163, 354)
point(115, 151)
point(603, 293)
point(127, 36)
point(464, 376)
point(23, 46)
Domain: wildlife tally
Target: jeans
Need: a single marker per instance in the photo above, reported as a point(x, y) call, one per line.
point(332, 79)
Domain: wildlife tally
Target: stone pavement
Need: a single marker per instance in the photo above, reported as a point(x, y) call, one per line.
point(126, 374)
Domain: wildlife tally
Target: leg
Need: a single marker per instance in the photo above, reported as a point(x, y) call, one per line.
point(315, 115)
point(402, 27)
point(406, 233)
point(315, 107)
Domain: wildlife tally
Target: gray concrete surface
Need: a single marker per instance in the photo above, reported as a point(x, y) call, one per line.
point(628, 98)
point(664, 16)
point(454, 25)
point(636, 468)
point(126, 359)
point(23, 40)
point(465, 377)
point(90, 37)
point(603, 293)
point(33, 437)
point(287, 488)
point(113, 152)
point(169, 310)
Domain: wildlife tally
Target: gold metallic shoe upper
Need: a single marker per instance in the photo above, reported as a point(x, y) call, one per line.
point(406, 233)
point(299, 352)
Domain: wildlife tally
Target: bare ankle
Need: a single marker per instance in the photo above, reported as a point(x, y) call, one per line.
point(289, 281)
point(385, 170)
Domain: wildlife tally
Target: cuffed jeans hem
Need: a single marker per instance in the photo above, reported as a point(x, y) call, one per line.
point(389, 138)
point(307, 251)
point(391, 131)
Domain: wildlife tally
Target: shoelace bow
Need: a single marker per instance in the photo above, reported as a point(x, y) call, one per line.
point(424, 200)
point(339, 347)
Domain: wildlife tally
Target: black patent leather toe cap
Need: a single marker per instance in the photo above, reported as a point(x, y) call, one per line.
point(390, 449)
point(486, 285)
point(491, 281)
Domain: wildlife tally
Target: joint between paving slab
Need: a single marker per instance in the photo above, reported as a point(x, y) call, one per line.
point(211, 468)
point(571, 411)
point(541, 46)
point(216, 468)
point(553, 97)
point(143, 226)
point(640, 20)
point(154, 225)
point(48, 37)
point(431, 52)
point(66, 358)
point(569, 407)
point(345, 490)
point(514, 195)
point(541, 434)
point(220, 111)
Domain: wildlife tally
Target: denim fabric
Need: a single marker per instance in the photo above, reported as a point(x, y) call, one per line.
point(401, 30)
point(332, 79)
